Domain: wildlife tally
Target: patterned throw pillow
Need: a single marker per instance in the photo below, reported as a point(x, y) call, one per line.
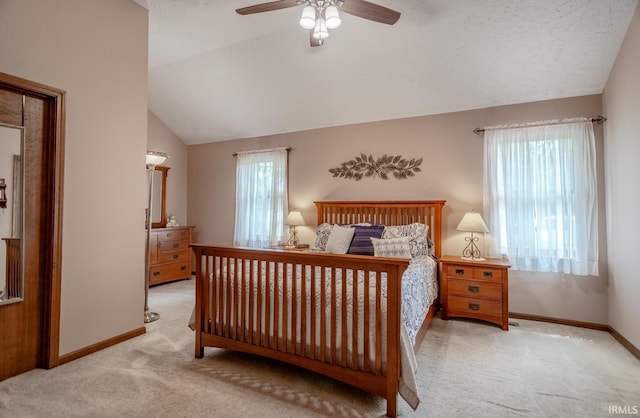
point(323, 231)
point(391, 247)
point(417, 234)
point(339, 240)
point(361, 244)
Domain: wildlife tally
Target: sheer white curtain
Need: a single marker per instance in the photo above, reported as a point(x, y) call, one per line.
point(540, 196)
point(261, 198)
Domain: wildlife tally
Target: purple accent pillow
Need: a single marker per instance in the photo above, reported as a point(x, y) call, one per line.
point(361, 242)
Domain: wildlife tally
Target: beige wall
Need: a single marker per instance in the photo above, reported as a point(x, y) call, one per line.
point(161, 138)
point(96, 50)
point(622, 148)
point(71, 44)
point(452, 171)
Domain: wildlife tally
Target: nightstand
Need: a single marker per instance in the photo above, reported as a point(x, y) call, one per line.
point(475, 289)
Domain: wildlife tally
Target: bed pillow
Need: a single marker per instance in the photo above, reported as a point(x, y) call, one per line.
point(391, 247)
point(339, 239)
point(323, 232)
point(417, 234)
point(361, 244)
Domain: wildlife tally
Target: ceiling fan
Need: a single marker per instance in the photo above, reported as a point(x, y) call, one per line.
point(321, 15)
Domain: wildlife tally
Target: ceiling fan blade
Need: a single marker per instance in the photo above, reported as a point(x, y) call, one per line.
point(267, 7)
point(313, 41)
point(370, 11)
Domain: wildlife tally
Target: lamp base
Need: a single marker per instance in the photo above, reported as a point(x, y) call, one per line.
point(150, 317)
point(471, 252)
point(293, 240)
point(473, 258)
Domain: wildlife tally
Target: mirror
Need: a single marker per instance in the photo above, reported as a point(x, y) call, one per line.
point(11, 195)
point(159, 197)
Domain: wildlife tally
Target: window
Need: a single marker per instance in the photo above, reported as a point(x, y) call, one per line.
point(261, 198)
point(540, 196)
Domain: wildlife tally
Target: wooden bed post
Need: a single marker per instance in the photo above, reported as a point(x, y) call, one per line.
point(199, 352)
point(393, 338)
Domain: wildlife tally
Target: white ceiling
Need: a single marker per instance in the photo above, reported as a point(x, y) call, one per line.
point(216, 75)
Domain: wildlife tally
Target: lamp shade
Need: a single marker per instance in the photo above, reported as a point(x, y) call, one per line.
point(155, 158)
point(294, 219)
point(472, 222)
point(308, 19)
point(320, 30)
point(332, 17)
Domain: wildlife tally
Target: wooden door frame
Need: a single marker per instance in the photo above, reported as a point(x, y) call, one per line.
point(53, 170)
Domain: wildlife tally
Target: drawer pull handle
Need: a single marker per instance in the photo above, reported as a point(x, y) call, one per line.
point(487, 273)
point(459, 271)
point(169, 235)
point(176, 245)
point(183, 268)
point(175, 256)
point(474, 289)
point(156, 273)
point(474, 306)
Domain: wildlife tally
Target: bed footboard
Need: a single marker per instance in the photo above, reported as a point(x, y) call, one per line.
point(338, 315)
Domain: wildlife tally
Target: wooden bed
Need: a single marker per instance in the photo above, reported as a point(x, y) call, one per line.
point(240, 304)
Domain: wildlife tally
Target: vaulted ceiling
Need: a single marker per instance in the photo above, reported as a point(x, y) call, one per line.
point(216, 75)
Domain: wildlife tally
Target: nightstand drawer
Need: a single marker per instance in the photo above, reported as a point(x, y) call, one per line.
point(475, 306)
point(459, 271)
point(475, 289)
point(484, 273)
point(476, 273)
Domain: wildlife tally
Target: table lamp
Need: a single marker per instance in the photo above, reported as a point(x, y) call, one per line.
point(294, 219)
point(472, 222)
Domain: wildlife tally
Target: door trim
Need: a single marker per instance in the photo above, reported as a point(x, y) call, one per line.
point(52, 213)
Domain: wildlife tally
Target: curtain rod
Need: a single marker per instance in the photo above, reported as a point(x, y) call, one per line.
point(598, 119)
point(235, 154)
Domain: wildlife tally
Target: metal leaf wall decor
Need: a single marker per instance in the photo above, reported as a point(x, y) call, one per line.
point(367, 166)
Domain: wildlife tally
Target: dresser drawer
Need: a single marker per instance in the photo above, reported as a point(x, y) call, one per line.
point(165, 272)
point(474, 306)
point(174, 256)
point(475, 289)
point(170, 254)
point(164, 246)
point(174, 235)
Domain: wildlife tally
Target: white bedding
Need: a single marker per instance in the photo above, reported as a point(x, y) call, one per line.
point(419, 291)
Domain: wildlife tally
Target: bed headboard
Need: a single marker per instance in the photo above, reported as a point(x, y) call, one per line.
point(400, 212)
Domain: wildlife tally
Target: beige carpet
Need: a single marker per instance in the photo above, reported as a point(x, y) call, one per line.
point(466, 369)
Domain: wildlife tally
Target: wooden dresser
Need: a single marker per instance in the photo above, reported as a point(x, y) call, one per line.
point(170, 254)
point(475, 289)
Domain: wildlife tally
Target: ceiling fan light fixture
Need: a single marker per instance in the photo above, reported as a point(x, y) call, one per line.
point(320, 31)
point(332, 17)
point(320, 16)
point(308, 19)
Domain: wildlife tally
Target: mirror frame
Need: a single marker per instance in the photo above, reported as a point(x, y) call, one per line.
point(163, 197)
point(17, 223)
